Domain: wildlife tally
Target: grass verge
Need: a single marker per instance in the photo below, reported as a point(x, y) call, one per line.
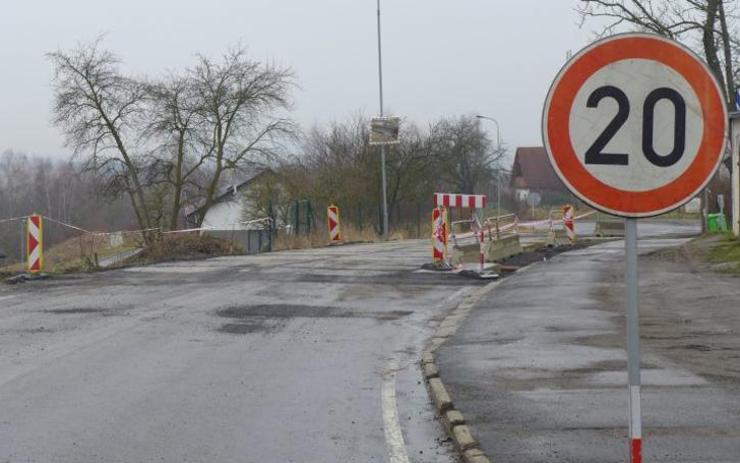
point(725, 255)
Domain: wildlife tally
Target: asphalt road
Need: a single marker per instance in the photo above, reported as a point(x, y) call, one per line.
point(304, 356)
point(539, 368)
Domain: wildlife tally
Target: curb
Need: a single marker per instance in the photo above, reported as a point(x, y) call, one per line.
point(452, 420)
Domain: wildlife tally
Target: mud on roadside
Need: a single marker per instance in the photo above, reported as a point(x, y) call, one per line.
point(689, 313)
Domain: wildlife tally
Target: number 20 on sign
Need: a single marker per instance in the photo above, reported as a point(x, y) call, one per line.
point(635, 126)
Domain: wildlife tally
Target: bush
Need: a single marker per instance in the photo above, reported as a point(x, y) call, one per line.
point(184, 246)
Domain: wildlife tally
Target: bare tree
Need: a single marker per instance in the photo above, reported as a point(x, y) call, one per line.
point(464, 153)
point(98, 109)
point(174, 120)
point(239, 104)
point(705, 25)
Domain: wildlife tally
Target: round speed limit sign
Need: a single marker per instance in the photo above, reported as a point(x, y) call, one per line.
point(635, 125)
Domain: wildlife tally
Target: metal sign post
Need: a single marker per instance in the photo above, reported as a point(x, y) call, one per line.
point(632, 305)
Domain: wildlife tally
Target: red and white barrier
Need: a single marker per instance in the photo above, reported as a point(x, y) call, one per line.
point(457, 200)
point(569, 223)
point(35, 244)
point(332, 216)
point(439, 234)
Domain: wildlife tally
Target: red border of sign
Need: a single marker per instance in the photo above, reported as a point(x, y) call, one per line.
point(556, 125)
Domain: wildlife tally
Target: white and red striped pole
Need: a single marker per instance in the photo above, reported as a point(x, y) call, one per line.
point(35, 244)
point(332, 217)
point(439, 234)
point(569, 222)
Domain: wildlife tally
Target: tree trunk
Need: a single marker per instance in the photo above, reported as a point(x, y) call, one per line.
point(710, 45)
point(727, 52)
point(175, 213)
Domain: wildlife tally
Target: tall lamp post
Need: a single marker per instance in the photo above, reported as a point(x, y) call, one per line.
point(382, 147)
point(498, 174)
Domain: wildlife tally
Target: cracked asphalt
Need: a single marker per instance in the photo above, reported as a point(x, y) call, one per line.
point(273, 357)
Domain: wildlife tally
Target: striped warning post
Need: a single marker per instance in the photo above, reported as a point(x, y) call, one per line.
point(439, 234)
point(35, 245)
point(458, 200)
point(332, 215)
point(569, 223)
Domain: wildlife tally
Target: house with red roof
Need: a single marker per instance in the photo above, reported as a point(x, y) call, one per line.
point(532, 173)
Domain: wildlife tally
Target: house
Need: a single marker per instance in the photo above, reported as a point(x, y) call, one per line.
point(532, 172)
point(227, 210)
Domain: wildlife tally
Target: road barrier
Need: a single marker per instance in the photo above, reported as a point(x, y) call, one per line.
point(609, 228)
point(458, 200)
point(569, 223)
point(502, 248)
point(332, 218)
point(89, 249)
point(439, 234)
point(468, 245)
point(35, 245)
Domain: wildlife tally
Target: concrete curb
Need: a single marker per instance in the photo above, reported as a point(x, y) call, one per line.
point(452, 420)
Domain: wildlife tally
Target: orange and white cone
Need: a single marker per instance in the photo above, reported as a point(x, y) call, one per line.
point(35, 244)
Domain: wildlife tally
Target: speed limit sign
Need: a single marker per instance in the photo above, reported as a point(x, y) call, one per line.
point(635, 125)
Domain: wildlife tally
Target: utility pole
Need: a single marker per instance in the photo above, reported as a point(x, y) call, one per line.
point(382, 147)
point(498, 149)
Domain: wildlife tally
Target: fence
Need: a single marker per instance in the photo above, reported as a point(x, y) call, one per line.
point(68, 247)
point(307, 217)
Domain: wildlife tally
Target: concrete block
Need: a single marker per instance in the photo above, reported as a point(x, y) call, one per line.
point(557, 237)
point(609, 228)
point(451, 419)
point(475, 456)
point(502, 248)
point(427, 357)
point(430, 370)
point(463, 439)
point(445, 332)
point(436, 343)
point(467, 253)
point(440, 397)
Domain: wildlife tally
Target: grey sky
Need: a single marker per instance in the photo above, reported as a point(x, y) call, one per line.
point(495, 57)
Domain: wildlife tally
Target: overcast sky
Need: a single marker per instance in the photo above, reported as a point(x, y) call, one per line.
point(495, 57)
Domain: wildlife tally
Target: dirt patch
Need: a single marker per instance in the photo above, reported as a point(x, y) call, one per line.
point(688, 313)
point(543, 253)
point(185, 246)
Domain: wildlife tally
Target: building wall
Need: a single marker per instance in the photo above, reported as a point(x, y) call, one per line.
point(225, 215)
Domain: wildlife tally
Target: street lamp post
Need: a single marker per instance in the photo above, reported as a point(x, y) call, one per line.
point(382, 147)
point(498, 174)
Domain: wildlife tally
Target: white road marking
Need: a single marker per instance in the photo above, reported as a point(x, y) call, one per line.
point(392, 427)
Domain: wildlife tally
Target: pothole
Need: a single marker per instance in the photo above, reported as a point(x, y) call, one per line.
point(308, 311)
point(76, 310)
